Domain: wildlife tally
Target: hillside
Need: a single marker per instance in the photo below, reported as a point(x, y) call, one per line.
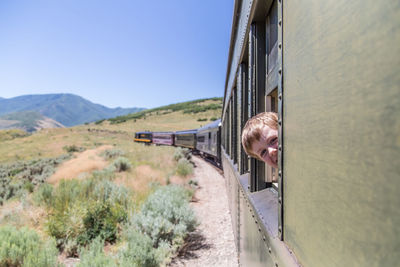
point(67, 109)
point(57, 181)
point(28, 121)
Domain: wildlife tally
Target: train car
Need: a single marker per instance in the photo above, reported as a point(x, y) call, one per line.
point(143, 137)
point(209, 140)
point(330, 69)
point(186, 139)
point(163, 138)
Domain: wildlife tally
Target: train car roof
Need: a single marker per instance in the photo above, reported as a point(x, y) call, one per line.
point(193, 131)
point(211, 125)
point(143, 132)
point(163, 132)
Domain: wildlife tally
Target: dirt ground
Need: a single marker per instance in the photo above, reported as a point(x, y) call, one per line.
point(84, 162)
point(212, 244)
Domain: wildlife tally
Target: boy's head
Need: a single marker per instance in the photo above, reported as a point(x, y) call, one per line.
point(260, 137)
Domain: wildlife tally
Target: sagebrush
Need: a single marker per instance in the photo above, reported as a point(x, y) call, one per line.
point(23, 247)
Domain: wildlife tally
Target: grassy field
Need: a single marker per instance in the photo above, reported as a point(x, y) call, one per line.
point(87, 163)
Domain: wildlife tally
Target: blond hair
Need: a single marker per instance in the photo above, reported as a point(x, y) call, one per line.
point(252, 131)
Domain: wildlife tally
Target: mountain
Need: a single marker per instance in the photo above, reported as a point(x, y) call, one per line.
point(67, 109)
point(29, 121)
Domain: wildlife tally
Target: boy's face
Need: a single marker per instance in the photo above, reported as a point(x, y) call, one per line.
point(267, 147)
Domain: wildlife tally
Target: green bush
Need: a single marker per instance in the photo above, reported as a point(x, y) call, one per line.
point(184, 167)
point(178, 154)
point(24, 176)
point(139, 250)
point(160, 227)
point(213, 118)
point(105, 174)
point(73, 148)
point(200, 119)
point(182, 153)
point(23, 247)
point(94, 256)
point(122, 164)
point(44, 194)
point(112, 153)
point(81, 211)
point(99, 121)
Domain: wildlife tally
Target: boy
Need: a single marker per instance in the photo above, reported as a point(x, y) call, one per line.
point(260, 138)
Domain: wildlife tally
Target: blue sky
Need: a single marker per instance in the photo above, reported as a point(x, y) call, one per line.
point(115, 52)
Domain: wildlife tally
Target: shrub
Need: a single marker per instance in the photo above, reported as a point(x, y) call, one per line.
point(178, 154)
point(139, 250)
point(44, 194)
point(99, 121)
point(73, 148)
point(112, 153)
point(94, 256)
point(200, 119)
point(160, 227)
point(213, 118)
point(81, 211)
point(184, 168)
point(23, 247)
point(122, 164)
point(182, 153)
point(105, 174)
point(22, 176)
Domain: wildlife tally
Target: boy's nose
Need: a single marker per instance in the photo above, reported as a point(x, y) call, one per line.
point(272, 151)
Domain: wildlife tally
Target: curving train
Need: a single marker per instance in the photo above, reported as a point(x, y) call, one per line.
point(206, 140)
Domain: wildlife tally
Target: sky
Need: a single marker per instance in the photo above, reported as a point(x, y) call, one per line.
point(118, 53)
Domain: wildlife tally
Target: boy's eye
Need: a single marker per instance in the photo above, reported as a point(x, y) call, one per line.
point(262, 154)
point(273, 141)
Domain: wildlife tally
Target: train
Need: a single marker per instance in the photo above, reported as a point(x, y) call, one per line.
point(205, 141)
point(330, 70)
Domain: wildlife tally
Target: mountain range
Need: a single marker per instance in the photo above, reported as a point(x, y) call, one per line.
point(67, 109)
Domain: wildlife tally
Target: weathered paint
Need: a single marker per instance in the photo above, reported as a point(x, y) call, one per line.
point(341, 62)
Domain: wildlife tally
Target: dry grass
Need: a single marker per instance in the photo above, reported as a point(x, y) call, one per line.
point(21, 214)
point(85, 162)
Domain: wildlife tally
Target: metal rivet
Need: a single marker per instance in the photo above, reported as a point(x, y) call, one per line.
point(280, 148)
point(280, 22)
point(264, 238)
point(280, 200)
point(280, 122)
point(280, 173)
point(280, 71)
point(269, 249)
point(280, 229)
point(280, 96)
point(280, 45)
point(280, 1)
point(276, 264)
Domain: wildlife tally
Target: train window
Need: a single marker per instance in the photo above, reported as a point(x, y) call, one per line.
point(272, 36)
point(271, 104)
point(200, 139)
point(234, 126)
point(272, 58)
point(257, 63)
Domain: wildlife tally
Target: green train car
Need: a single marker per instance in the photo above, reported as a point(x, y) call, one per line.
point(331, 70)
